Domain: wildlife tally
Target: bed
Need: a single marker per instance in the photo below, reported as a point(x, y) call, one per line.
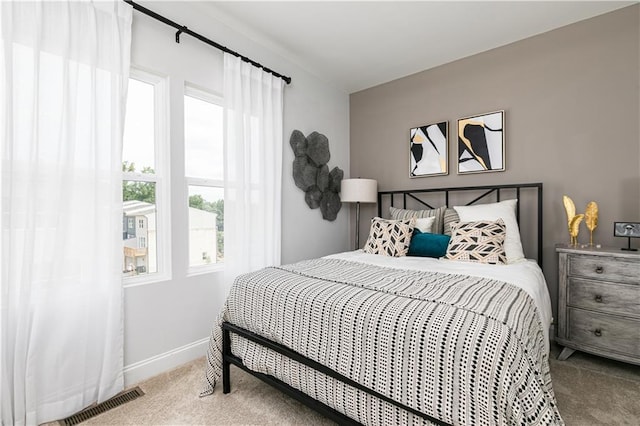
point(371, 339)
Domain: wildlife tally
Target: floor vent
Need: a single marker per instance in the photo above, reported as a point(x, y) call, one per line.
point(122, 398)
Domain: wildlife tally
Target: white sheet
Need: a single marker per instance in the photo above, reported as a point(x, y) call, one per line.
point(526, 275)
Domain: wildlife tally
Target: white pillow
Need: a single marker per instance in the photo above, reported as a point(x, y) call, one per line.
point(425, 224)
point(505, 210)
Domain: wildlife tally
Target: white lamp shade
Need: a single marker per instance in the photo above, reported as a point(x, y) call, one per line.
point(359, 190)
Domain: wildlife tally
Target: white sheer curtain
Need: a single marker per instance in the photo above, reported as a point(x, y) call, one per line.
point(253, 168)
point(63, 78)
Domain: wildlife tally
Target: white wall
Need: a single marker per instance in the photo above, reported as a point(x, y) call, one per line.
point(168, 323)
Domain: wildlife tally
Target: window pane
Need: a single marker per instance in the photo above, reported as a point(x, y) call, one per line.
point(139, 228)
point(203, 138)
point(206, 225)
point(138, 147)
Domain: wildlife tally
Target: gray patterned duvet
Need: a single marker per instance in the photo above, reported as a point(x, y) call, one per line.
point(465, 350)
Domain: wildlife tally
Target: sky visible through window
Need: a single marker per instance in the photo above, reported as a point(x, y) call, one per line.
point(203, 135)
point(139, 132)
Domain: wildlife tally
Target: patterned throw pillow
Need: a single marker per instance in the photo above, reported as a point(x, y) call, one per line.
point(505, 210)
point(402, 214)
point(389, 237)
point(481, 242)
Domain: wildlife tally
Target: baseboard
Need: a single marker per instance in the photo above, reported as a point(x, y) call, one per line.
point(142, 370)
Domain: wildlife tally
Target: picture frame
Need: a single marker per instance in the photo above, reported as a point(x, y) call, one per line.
point(429, 150)
point(481, 143)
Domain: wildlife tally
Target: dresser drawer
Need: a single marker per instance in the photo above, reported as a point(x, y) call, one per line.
point(605, 268)
point(622, 299)
point(604, 331)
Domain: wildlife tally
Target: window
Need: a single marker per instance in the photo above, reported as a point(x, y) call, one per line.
point(144, 192)
point(203, 124)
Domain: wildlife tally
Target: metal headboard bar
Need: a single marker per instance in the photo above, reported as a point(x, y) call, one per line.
point(475, 200)
point(539, 225)
point(417, 199)
point(488, 188)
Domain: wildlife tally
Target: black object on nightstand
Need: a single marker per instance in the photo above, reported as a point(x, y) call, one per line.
point(628, 230)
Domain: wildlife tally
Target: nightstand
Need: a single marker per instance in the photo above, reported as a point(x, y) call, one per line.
point(599, 302)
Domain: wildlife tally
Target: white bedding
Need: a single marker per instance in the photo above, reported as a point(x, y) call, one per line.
point(526, 275)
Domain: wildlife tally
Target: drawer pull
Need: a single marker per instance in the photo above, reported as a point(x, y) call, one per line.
point(599, 269)
point(597, 332)
point(598, 298)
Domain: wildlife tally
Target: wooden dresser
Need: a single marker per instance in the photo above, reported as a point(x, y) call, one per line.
point(599, 302)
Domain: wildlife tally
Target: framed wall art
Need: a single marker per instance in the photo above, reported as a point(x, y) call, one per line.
point(481, 143)
point(429, 150)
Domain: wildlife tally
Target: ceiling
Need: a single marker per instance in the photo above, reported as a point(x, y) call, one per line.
point(357, 45)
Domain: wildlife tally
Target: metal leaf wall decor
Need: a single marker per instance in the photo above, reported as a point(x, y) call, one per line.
point(311, 173)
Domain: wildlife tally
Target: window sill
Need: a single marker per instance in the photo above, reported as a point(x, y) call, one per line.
point(205, 269)
point(145, 279)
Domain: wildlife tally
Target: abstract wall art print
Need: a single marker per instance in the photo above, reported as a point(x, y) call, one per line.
point(481, 143)
point(429, 150)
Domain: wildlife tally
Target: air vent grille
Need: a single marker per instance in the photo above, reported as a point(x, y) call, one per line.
point(86, 414)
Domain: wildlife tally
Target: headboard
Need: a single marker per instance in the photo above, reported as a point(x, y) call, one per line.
point(476, 195)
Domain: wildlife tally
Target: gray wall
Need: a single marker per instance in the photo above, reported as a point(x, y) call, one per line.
point(572, 122)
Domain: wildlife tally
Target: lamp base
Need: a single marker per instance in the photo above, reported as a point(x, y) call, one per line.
point(357, 225)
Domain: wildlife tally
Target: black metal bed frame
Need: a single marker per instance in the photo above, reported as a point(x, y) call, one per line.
point(227, 328)
point(228, 358)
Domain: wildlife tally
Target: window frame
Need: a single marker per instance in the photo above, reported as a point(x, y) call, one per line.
point(202, 94)
point(161, 179)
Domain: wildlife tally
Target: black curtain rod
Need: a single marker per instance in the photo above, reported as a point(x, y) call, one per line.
point(182, 29)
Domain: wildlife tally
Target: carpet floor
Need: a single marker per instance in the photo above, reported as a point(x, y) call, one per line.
point(590, 391)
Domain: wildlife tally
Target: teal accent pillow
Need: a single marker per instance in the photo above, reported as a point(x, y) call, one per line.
point(425, 244)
